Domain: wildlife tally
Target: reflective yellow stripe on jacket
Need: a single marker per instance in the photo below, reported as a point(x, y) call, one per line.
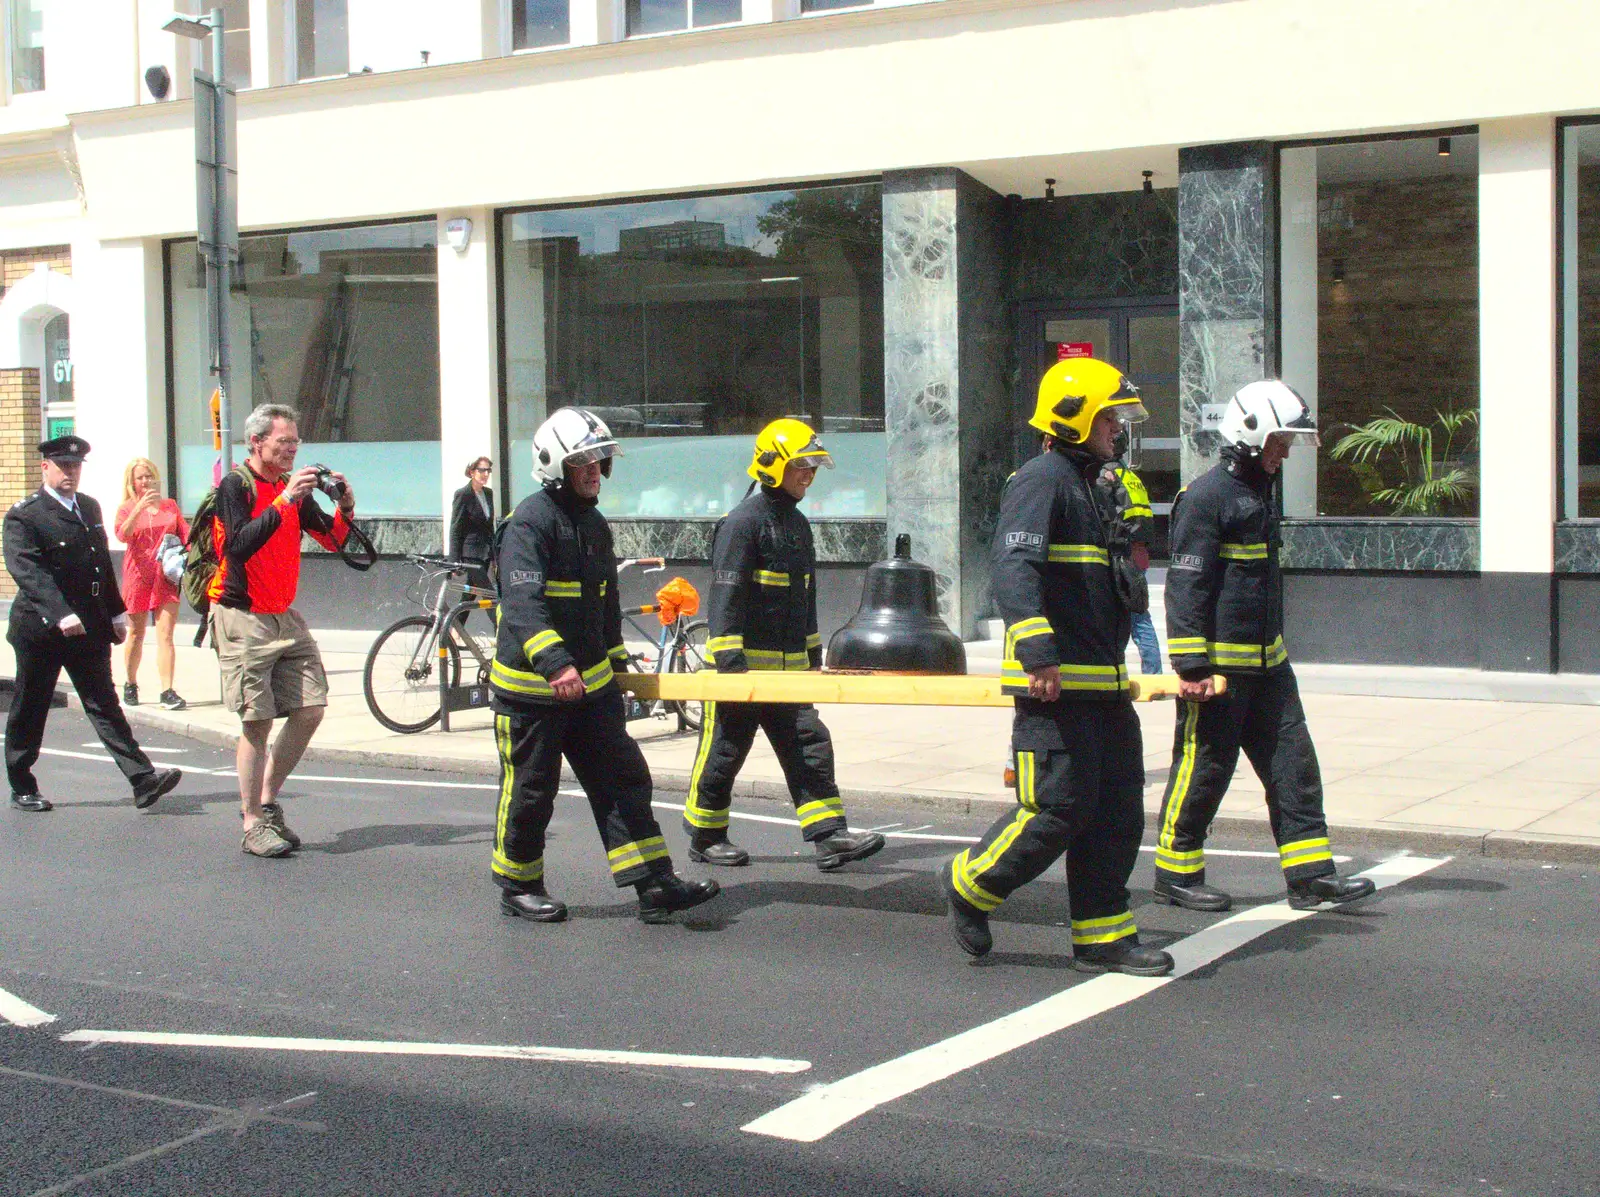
point(1225, 655)
point(767, 577)
point(554, 588)
point(1256, 551)
point(534, 685)
point(537, 644)
point(776, 659)
point(1077, 554)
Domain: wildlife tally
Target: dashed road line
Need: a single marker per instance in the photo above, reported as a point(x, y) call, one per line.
point(826, 1108)
point(20, 1013)
point(563, 1055)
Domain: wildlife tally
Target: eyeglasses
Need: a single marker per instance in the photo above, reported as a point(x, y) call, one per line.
point(483, 469)
point(286, 442)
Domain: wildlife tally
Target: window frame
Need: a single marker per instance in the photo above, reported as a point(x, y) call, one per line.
point(10, 95)
point(508, 26)
point(1274, 320)
point(291, 32)
point(1568, 496)
point(690, 27)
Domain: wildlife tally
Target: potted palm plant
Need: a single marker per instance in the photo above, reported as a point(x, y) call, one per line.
point(1432, 479)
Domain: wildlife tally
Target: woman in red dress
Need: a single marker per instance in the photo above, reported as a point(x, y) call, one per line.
point(142, 520)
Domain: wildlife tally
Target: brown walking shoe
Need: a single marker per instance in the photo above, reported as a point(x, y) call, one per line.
point(263, 840)
point(273, 813)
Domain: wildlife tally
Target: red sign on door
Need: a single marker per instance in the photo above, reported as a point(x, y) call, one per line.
point(1068, 349)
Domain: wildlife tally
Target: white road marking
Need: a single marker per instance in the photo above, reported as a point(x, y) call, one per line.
point(20, 1014)
point(568, 1055)
point(146, 747)
point(826, 1108)
point(395, 781)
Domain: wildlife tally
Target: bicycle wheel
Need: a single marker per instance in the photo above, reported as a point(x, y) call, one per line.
point(400, 678)
point(688, 655)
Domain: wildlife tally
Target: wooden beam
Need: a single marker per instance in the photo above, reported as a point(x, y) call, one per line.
point(881, 689)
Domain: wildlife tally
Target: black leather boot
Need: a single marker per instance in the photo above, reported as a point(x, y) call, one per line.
point(841, 848)
point(715, 848)
point(1122, 956)
point(532, 903)
point(1308, 895)
point(661, 897)
point(33, 802)
point(1191, 897)
point(968, 924)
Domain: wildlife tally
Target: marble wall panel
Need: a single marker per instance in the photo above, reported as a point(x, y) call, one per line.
point(1578, 547)
point(1227, 247)
point(838, 542)
point(394, 537)
point(1421, 545)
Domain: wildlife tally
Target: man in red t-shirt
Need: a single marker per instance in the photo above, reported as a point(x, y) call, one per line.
point(271, 667)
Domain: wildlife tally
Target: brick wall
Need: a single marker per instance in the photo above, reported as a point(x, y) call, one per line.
point(19, 444)
point(15, 264)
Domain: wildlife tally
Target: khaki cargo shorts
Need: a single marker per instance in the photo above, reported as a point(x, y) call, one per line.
point(271, 666)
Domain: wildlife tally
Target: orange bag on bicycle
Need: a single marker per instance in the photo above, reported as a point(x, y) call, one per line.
point(677, 597)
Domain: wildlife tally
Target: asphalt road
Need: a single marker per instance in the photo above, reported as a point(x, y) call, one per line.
point(1438, 1039)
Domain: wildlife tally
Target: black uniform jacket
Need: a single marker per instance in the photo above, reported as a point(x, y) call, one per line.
point(1224, 589)
point(471, 531)
point(763, 611)
point(1125, 499)
point(63, 567)
point(558, 599)
point(1052, 580)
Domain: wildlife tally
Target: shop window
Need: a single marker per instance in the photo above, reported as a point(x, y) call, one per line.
point(689, 324)
point(236, 22)
point(1379, 324)
point(1580, 308)
point(58, 360)
point(540, 23)
point(321, 38)
point(341, 324)
point(829, 5)
point(668, 16)
point(25, 37)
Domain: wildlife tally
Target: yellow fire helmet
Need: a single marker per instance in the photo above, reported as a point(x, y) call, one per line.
point(782, 441)
point(1073, 392)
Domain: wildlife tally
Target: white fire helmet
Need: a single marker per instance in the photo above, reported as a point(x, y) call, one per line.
point(571, 436)
point(1260, 409)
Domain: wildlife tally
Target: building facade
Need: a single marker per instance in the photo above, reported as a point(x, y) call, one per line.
point(886, 218)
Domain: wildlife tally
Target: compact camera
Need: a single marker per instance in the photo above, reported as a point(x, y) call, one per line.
point(327, 483)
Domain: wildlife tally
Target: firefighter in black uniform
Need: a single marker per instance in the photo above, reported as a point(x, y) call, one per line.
point(1224, 602)
point(1075, 738)
point(560, 638)
point(67, 614)
point(763, 615)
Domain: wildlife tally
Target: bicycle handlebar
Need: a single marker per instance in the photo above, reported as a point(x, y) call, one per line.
point(455, 567)
point(647, 609)
point(649, 565)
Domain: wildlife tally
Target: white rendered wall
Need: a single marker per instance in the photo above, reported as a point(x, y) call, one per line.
point(1517, 338)
point(958, 82)
point(468, 377)
point(1297, 224)
point(119, 381)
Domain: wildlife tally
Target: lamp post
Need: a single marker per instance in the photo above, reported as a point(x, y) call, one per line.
point(216, 204)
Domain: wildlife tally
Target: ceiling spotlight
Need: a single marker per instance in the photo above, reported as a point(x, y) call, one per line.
point(1149, 187)
point(1049, 189)
point(198, 28)
point(1444, 147)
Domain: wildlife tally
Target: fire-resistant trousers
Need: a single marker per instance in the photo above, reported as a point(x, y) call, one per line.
point(1260, 713)
point(1080, 788)
point(592, 734)
point(803, 748)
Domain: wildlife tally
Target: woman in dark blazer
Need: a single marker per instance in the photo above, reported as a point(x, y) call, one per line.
point(472, 521)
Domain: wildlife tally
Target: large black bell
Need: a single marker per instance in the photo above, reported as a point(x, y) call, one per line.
point(897, 628)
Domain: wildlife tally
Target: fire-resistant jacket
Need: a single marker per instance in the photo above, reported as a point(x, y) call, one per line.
point(1224, 589)
point(558, 600)
point(1126, 499)
point(1052, 580)
point(763, 610)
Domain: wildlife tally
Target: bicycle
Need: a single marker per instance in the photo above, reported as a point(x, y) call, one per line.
point(399, 678)
point(680, 648)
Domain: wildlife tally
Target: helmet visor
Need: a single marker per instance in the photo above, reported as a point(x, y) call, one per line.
point(1290, 435)
point(1129, 411)
point(582, 456)
point(812, 455)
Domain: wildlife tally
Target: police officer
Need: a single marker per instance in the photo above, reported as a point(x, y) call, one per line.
point(763, 615)
point(1225, 615)
point(1075, 738)
point(560, 638)
point(1123, 495)
point(67, 614)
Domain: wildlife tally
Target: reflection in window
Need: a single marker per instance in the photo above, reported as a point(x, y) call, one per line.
point(1580, 274)
point(689, 325)
point(1380, 324)
point(58, 360)
point(25, 36)
point(322, 38)
point(236, 23)
point(341, 324)
point(539, 23)
point(826, 5)
point(666, 16)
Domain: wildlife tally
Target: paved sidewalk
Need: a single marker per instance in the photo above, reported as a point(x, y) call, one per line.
point(1507, 776)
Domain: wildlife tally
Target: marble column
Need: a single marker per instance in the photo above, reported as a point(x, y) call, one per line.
point(1227, 246)
point(946, 359)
